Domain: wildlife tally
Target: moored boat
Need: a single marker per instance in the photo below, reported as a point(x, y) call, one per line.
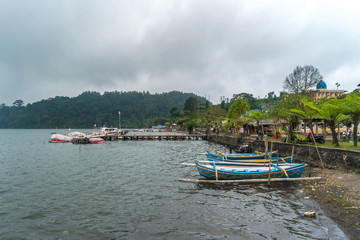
point(96, 140)
point(239, 156)
point(59, 138)
point(226, 171)
point(106, 130)
point(287, 159)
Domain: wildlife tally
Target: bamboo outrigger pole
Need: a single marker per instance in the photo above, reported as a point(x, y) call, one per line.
point(232, 163)
point(313, 138)
point(269, 165)
point(264, 180)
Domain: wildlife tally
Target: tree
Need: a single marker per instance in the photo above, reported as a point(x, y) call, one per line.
point(214, 113)
point(191, 106)
point(271, 95)
point(337, 85)
point(174, 112)
point(238, 108)
point(257, 117)
point(352, 109)
point(302, 79)
point(224, 103)
point(247, 97)
point(332, 111)
point(306, 112)
point(284, 110)
point(18, 103)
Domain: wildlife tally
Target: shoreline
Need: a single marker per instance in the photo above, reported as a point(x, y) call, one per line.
point(338, 194)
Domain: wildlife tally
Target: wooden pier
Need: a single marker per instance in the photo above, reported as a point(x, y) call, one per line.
point(118, 137)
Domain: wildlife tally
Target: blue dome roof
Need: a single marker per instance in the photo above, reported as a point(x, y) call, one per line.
point(321, 85)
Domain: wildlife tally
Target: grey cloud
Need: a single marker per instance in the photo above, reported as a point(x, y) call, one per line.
point(214, 48)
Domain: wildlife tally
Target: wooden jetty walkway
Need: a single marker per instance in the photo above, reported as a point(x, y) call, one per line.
point(119, 137)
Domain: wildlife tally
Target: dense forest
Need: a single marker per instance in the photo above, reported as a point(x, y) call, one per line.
point(137, 109)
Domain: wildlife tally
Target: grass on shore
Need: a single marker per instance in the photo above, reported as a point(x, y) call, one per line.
point(347, 145)
point(343, 145)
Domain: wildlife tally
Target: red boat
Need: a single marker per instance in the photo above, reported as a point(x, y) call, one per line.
point(96, 140)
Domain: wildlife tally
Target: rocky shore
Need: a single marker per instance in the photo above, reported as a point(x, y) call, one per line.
point(338, 193)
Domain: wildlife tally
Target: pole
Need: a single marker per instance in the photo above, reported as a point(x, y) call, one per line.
point(249, 180)
point(317, 149)
point(119, 120)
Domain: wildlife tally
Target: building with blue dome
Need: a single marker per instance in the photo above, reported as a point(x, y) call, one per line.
point(322, 91)
point(321, 85)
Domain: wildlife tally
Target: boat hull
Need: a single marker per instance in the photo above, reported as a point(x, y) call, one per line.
point(96, 140)
point(215, 171)
point(236, 156)
point(59, 138)
point(273, 160)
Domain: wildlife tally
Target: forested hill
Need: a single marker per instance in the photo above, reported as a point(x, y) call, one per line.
point(138, 109)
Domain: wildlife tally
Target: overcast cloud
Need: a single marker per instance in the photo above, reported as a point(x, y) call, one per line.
point(211, 48)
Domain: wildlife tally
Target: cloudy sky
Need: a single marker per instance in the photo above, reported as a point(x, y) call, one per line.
point(212, 48)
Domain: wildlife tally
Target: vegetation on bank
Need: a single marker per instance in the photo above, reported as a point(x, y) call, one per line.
point(137, 109)
point(292, 108)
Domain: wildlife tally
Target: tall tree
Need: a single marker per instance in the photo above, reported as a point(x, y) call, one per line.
point(247, 97)
point(238, 108)
point(224, 103)
point(214, 113)
point(191, 106)
point(332, 111)
point(352, 109)
point(18, 103)
point(284, 110)
point(306, 112)
point(302, 79)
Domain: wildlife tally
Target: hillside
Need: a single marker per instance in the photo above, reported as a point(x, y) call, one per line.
point(138, 109)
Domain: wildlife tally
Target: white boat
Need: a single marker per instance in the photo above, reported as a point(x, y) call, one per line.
point(106, 130)
point(60, 138)
point(76, 134)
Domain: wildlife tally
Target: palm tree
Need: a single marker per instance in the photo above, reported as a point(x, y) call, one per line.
point(306, 113)
point(283, 111)
point(337, 85)
point(256, 117)
point(352, 109)
point(332, 111)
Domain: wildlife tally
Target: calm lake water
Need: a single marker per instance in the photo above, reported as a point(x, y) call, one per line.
point(129, 190)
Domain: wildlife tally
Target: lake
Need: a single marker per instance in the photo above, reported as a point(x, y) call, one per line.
point(129, 190)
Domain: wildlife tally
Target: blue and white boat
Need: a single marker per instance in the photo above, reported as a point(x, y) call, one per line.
point(256, 157)
point(228, 171)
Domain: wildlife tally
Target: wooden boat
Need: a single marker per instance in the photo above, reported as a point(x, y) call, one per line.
point(239, 156)
point(226, 171)
point(287, 159)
